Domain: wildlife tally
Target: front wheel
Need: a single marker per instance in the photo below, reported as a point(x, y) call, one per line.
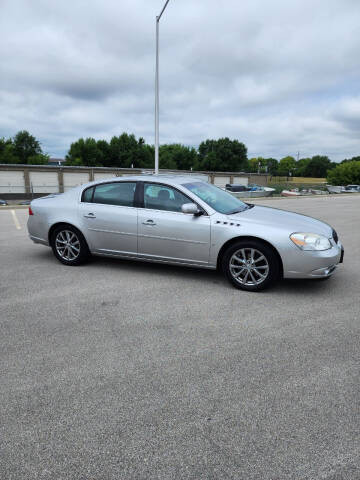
point(251, 265)
point(69, 245)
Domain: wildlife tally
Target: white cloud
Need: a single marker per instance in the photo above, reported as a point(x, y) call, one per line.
point(280, 76)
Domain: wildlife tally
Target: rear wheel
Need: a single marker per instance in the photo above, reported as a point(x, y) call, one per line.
point(69, 245)
point(251, 265)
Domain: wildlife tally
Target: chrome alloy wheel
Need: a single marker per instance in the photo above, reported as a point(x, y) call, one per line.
point(249, 266)
point(67, 245)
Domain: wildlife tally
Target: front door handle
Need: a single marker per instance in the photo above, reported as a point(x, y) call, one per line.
point(149, 222)
point(90, 215)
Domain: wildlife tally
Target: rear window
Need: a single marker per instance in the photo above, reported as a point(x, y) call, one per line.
point(117, 193)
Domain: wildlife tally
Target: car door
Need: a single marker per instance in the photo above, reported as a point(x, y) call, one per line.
point(109, 217)
point(167, 234)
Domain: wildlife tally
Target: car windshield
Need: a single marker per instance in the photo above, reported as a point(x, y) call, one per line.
point(219, 200)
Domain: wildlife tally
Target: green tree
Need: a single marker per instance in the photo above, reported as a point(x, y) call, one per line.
point(353, 159)
point(166, 158)
point(3, 144)
point(345, 173)
point(286, 166)
point(25, 146)
point(87, 151)
point(122, 151)
point(262, 165)
point(104, 152)
point(74, 162)
point(125, 151)
point(317, 167)
point(272, 165)
point(222, 155)
point(7, 154)
point(145, 156)
point(301, 166)
point(253, 165)
point(39, 159)
point(182, 157)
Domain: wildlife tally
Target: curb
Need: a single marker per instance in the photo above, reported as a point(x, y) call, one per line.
point(14, 207)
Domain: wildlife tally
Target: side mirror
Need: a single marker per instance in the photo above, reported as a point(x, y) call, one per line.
point(190, 208)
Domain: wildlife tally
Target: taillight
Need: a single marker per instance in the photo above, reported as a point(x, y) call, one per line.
point(30, 211)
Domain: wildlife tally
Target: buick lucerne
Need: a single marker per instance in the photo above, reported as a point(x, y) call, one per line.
point(184, 221)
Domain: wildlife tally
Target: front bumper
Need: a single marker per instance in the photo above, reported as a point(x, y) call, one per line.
point(316, 264)
point(323, 272)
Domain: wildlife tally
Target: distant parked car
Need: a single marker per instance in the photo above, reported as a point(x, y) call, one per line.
point(25, 202)
point(3, 202)
point(184, 221)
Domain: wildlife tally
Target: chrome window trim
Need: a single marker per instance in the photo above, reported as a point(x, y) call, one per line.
point(206, 214)
point(107, 183)
point(110, 205)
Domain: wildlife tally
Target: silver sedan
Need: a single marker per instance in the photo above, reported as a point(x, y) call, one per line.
point(184, 221)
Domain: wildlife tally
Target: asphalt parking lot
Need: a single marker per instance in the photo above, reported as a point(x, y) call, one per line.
point(127, 370)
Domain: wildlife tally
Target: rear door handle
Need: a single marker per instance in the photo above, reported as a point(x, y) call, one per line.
point(149, 222)
point(90, 215)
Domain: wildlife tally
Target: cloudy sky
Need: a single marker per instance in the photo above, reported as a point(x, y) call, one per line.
point(281, 76)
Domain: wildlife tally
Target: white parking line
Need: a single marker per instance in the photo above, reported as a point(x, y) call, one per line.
point(16, 221)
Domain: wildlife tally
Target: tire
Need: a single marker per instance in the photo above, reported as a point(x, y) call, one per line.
point(251, 265)
point(69, 245)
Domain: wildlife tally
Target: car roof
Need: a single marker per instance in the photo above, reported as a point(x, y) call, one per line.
point(169, 179)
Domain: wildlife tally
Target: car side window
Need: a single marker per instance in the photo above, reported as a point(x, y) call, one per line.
point(160, 197)
point(87, 195)
point(117, 193)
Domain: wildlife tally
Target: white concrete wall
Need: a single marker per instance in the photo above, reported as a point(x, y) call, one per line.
point(129, 174)
point(200, 176)
point(241, 180)
point(221, 181)
point(100, 176)
point(44, 182)
point(12, 181)
point(73, 179)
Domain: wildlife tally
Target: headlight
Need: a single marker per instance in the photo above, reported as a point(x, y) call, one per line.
point(310, 241)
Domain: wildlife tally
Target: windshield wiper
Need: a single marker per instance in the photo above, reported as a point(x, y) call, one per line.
point(236, 210)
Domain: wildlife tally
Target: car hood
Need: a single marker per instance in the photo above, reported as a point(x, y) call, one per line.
point(292, 222)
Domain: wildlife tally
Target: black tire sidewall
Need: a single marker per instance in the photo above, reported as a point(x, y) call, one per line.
point(84, 249)
point(273, 261)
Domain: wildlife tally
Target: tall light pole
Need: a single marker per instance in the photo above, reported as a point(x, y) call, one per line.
point(157, 91)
